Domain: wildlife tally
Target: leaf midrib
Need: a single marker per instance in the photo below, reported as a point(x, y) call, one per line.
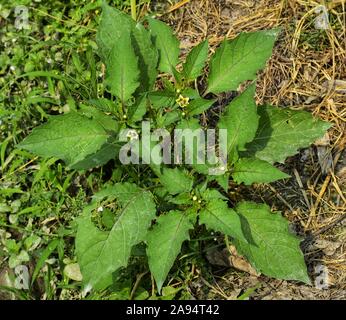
point(112, 229)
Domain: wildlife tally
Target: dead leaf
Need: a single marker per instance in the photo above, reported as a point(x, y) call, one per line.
point(72, 271)
point(230, 258)
point(328, 247)
point(324, 153)
point(238, 262)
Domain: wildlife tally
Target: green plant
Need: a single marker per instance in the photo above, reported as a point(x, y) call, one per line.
point(160, 204)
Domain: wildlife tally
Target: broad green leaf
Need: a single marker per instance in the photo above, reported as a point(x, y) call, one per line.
point(282, 132)
point(108, 218)
point(182, 198)
point(166, 43)
point(223, 181)
point(195, 61)
point(177, 76)
point(192, 94)
point(122, 72)
point(121, 192)
point(168, 85)
point(90, 244)
point(175, 180)
point(239, 59)
point(198, 106)
point(252, 170)
point(218, 217)
point(162, 99)
point(70, 137)
point(164, 243)
point(148, 57)
point(137, 111)
point(106, 121)
point(100, 253)
point(113, 25)
point(190, 123)
point(171, 117)
point(116, 24)
point(273, 250)
point(212, 194)
point(106, 153)
point(240, 119)
point(104, 105)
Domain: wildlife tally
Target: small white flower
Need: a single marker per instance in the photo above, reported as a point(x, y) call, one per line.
point(132, 135)
point(99, 209)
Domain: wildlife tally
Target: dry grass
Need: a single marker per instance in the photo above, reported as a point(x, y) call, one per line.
point(307, 71)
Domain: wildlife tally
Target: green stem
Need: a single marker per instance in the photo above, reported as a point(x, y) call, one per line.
point(133, 10)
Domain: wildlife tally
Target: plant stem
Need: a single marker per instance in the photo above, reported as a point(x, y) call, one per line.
point(133, 10)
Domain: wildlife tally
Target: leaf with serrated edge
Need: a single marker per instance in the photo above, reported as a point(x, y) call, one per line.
point(252, 170)
point(106, 121)
point(175, 180)
point(166, 43)
point(164, 243)
point(162, 99)
point(171, 117)
point(113, 24)
point(239, 59)
point(223, 181)
point(195, 61)
point(282, 132)
point(272, 250)
point(148, 57)
point(218, 217)
point(116, 24)
point(100, 253)
point(137, 111)
point(122, 72)
point(70, 137)
point(240, 119)
point(106, 153)
point(198, 106)
point(104, 105)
